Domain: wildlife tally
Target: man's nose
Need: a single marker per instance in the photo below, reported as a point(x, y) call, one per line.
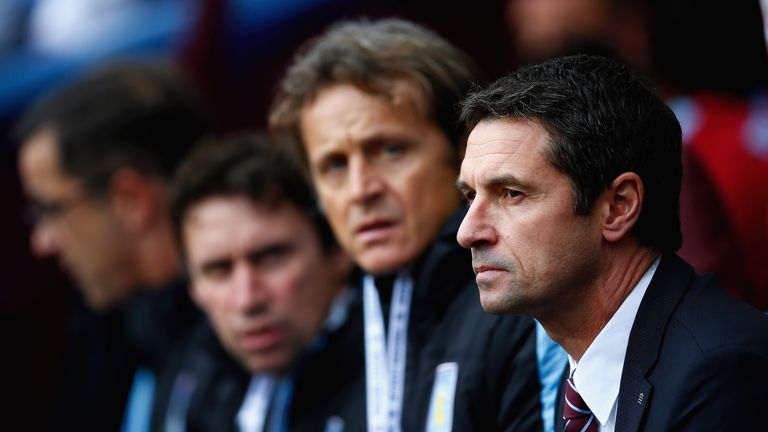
point(365, 180)
point(44, 240)
point(476, 229)
point(248, 294)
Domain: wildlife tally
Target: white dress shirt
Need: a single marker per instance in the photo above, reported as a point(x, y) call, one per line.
point(597, 375)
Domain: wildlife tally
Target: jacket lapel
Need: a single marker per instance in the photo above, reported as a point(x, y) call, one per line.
point(560, 401)
point(665, 291)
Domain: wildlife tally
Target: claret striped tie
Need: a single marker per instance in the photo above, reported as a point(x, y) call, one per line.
point(576, 414)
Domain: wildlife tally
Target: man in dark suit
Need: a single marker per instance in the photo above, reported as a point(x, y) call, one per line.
point(572, 173)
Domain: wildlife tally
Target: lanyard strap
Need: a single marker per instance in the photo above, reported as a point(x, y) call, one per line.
point(253, 412)
point(385, 362)
point(279, 413)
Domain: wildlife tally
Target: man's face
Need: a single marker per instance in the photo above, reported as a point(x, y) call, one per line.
point(81, 230)
point(530, 251)
point(383, 171)
point(261, 276)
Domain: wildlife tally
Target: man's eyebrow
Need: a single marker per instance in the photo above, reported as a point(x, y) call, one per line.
point(504, 180)
point(461, 184)
point(212, 263)
point(500, 180)
point(386, 135)
point(264, 251)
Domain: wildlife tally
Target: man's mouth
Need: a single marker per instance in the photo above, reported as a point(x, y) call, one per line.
point(479, 268)
point(376, 230)
point(261, 338)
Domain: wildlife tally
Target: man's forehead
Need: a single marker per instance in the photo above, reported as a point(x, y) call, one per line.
point(235, 218)
point(507, 130)
point(40, 168)
point(496, 148)
point(399, 94)
point(40, 150)
point(347, 117)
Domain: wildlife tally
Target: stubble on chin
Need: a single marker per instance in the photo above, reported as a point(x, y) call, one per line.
point(502, 303)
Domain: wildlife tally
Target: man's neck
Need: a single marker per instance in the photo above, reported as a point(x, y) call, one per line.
point(578, 322)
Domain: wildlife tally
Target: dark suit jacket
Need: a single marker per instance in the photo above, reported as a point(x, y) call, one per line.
point(697, 360)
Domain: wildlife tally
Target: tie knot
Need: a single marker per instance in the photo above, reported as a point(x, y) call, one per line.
point(576, 413)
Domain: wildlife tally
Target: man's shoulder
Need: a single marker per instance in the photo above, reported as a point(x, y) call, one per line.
point(199, 357)
point(713, 320)
point(693, 352)
point(704, 326)
point(694, 309)
point(329, 383)
point(713, 363)
point(200, 385)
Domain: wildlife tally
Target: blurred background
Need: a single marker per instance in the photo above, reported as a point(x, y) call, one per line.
point(707, 58)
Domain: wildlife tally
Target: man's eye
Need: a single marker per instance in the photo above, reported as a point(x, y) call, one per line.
point(512, 194)
point(272, 256)
point(469, 196)
point(388, 149)
point(216, 270)
point(394, 149)
point(333, 164)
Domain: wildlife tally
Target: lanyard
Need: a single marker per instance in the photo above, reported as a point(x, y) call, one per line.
point(385, 362)
point(253, 411)
point(279, 412)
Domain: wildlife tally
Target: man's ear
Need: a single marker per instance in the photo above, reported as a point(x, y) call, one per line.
point(133, 198)
point(622, 203)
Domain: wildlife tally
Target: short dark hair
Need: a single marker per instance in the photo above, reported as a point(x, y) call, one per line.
point(602, 121)
point(373, 56)
point(139, 114)
point(252, 166)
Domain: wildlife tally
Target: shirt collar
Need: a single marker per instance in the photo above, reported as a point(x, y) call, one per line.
point(597, 375)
